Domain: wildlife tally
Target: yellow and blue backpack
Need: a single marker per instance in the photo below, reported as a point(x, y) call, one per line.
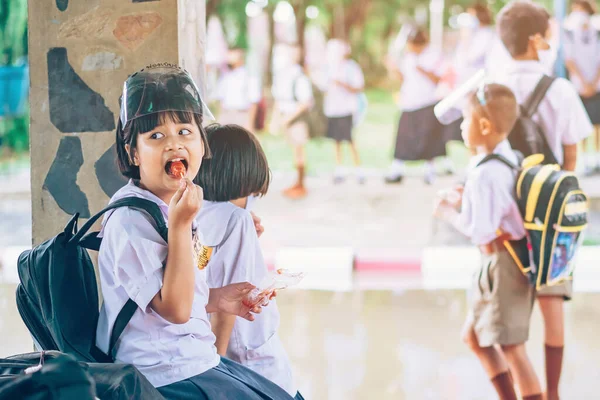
point(555, 213)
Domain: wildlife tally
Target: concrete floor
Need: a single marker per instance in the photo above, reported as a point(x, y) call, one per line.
point(383, 345)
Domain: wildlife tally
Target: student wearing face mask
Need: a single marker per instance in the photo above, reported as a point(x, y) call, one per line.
point(582, 51)
point(238, 92)
point(232, 179)
point(523, 28)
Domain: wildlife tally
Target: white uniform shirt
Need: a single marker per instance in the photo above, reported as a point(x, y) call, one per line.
point(583, 47)
point(291, 87)
point(561, 114)
point(417, 89)
point(488, 202)
point(238, 90)
point(338, 101)
point(237, 257)
point(472, 52)
point(131, 260)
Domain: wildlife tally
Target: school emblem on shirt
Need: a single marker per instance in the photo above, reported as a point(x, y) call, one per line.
point(202, 254)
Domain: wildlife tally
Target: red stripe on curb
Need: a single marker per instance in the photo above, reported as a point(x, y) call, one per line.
point(413, 265)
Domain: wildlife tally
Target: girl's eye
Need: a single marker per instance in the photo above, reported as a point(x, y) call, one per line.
point(185, 132)
point(156, 135)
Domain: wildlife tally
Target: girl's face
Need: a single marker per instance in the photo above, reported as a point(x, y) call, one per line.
point(158, 148)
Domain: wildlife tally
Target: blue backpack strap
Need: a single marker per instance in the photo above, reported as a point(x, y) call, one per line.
point(92, 241)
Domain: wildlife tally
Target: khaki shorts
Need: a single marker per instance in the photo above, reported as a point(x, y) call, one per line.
point(564, 290)
point(501, 300)
point(297, 133)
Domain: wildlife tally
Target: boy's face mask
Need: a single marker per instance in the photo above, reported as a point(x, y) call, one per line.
point(577, 19)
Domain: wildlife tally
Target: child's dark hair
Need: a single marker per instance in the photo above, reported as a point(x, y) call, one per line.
point(483, 13)
point(128, 135)
point(238, 167)
point(518, 21)
point(417, 36)
point(586, 5)
point(498, 104)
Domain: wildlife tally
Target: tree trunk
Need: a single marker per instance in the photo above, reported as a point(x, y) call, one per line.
point(269, 70)
point(300, 13)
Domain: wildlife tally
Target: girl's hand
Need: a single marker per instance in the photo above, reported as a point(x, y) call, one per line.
point(230, 299)
point(257, 224)
point(185, 204)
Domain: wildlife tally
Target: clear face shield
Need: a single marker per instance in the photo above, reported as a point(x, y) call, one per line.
point(161, 88)
point(450, 108)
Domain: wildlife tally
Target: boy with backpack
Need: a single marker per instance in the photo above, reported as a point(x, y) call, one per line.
point(562, 122)
point(293, 95)
point(501, 298)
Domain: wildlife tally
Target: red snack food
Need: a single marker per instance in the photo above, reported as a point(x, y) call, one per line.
point(177, 169)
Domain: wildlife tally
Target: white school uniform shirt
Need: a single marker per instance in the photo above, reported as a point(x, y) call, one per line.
point(561, 114)
point(472, 53)
point(418, 91)
point(488, 202)
point(238, 90)
point(131, 262)
point(583, 47)
point(338, 101)
point(237, 257)
point(291, 87)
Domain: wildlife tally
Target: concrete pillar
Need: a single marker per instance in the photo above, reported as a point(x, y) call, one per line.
point(80, 53)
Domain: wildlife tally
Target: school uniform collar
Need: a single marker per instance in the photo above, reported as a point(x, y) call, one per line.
point(503, 149)
point(213, 220)
point(526, 66)
point(132, 189)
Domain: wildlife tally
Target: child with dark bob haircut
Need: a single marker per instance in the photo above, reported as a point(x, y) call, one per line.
point(161, 145)
point(236, 175)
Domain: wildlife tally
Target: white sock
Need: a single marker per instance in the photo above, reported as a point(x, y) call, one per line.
point(339, 172)
point(359, 172)
point(589, 160)
point(397, 167)
point(448, 164)
point(597, 159)
point(430, 168)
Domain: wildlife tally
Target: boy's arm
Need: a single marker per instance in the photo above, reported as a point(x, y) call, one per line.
point(570, 155)
point(222, 325)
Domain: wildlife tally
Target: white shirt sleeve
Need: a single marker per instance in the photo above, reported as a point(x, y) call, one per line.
point(137, 254)
point(572, 121)
point(357, 79)
point(235, 259)
point(303, 90)
point(482, 210)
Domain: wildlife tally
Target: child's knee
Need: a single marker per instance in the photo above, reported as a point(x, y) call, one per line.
point(514, 351)
point(470, 338)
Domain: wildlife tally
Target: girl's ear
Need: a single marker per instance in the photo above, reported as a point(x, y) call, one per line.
point(485, 126)
point(132, 158)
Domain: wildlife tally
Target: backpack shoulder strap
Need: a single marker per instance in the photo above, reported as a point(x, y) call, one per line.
point(150, 207)
point(535, 98)
point(121, 322)
point(500, 158)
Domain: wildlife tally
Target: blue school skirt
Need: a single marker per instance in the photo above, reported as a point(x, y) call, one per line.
point(420, 136)
point(227, 381)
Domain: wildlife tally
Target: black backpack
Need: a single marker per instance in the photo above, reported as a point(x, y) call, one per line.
point(527, 137)
point(555, 215)
point(58, 295)
point(58, 377)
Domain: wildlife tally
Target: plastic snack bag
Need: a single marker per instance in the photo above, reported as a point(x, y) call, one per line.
point(274, 281)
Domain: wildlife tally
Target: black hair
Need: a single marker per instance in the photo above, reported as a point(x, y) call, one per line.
point(518, 21)
point(588, 6)
point(128, 134)
point(418, 36)
point(483, 13)
point(238, 167)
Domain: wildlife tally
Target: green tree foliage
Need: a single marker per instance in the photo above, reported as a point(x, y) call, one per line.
point(13, 31)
